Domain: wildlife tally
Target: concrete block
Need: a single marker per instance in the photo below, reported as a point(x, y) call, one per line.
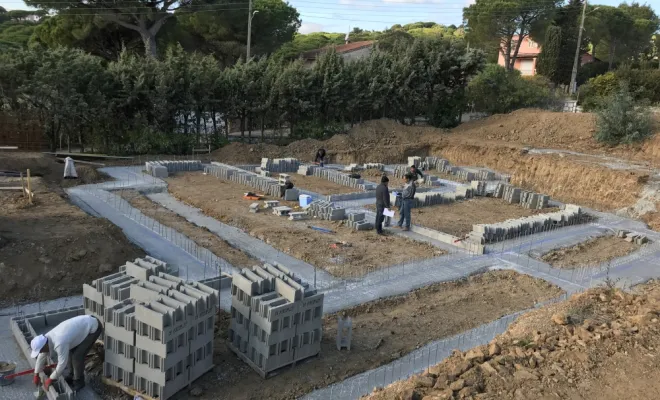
point(291, 194)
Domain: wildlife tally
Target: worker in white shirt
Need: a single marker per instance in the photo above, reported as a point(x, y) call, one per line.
point(69, 342)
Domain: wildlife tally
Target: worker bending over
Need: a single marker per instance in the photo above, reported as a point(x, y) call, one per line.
point(320, 157)
point(286, 186)
point(69, 342)
point(417, 175)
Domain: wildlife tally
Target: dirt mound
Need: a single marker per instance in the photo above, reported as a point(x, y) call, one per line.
point(537, 128)
point(574, 349)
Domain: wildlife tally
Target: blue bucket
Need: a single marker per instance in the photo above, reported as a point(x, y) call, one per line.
point(5, 370)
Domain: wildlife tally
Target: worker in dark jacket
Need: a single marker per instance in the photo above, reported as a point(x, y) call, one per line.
point(418, 176)
point(286, 186)
point(382, 202)
point(407, 198)
point(320, 157)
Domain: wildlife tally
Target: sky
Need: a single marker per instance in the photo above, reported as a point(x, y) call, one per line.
point(344, 15)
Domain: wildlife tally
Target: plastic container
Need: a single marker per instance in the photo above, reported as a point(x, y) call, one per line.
point(6, 368)
point(305, 200)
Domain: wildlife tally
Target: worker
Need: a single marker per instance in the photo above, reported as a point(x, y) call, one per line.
point(68, 343)
point(407, 198)
point(287, 185)
point(382, 202)
point(320, 157)
point(417, 174)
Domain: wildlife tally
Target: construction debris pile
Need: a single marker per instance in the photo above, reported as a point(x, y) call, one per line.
point(276, 318)
point(161, 169)
point(514, 228)
point(158, 328)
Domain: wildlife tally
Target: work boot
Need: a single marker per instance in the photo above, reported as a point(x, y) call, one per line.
point(78, 384)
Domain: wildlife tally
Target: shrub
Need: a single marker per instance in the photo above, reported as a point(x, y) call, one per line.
point(622, 120)
point(496, 90)
point(644, 85)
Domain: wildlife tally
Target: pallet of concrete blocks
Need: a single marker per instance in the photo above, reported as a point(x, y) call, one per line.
point(513, 228)
point(276, 319)
point(280, 164)
point(326, 210)
point(359, 222)
point(307, 169)
point(478, 188)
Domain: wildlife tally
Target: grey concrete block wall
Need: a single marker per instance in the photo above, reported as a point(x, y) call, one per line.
point(513, 228)
point(342, 179)
point(155, 168)
point(525, 198)
point(280, 164)
point(276, 318)
point(267, 185)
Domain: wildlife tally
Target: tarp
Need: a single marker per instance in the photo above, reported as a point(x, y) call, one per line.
point(69, 169)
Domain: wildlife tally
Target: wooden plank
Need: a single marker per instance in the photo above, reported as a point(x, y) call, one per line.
point(8, 147)
point(83, 162)
point(125, 389)
point(11, 188)
point(86, 155)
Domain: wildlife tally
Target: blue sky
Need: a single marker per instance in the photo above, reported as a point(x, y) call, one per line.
point(342, 15)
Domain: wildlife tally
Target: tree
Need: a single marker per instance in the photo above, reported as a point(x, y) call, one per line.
point(91, 33)
point(504, 24)
point(622, 120)
point(145, 17)
point(548, 61)
point(16, 27)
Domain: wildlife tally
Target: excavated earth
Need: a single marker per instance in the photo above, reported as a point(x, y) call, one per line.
point(601, 344)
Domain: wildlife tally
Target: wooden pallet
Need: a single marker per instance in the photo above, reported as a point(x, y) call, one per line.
point(129, 391)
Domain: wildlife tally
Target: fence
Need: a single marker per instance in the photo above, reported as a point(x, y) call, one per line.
point(26, 134)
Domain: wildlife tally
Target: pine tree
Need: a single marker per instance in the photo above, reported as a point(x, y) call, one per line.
point(549, 59)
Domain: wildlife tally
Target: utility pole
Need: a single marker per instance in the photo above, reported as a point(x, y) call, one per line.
point(573, 87)
point(249, 38)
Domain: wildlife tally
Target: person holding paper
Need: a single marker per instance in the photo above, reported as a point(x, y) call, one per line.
point(382, 203)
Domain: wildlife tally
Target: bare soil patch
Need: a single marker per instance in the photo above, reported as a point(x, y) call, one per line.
point(384, 330)
point(202, 236)
point(49, 249)
point(458, 217)
point(344, 253)
point(597, 345)
point(320, 185)
point(591, 252)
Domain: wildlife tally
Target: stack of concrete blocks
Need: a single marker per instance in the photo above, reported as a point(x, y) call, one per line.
point(513, 228)
point(254, 208)
point(155, 168)
point(158, 332)
point(534, 201)
point(271, 203)
point(260, 183)
point(298, 216)
point(282, 211)
point(326, 210)
point(416, 161)
point(25, 327)
point(343, 179)
point(276, 319)
point(344, 333)
point(378, 166)
point(526, 199)
point(307, 169)
point(265, 173)
point(280, 164)
point(632, 237)
point(352, 168)
point(478, 188)
point(358, 222)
